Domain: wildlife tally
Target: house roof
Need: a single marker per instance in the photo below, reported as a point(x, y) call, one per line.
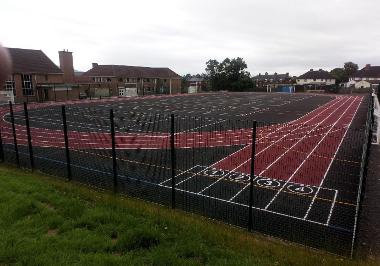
point(316, 74)
point(32, 61)
point(368, 72)
point(274, 76)
point(130, 71)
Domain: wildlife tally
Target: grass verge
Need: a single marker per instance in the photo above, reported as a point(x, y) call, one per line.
point(47, 221)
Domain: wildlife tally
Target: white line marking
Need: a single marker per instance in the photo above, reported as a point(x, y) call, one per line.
point(244, 205)
point(332, 208)
point(192, 176)
point(329, 105)
point(332, 160)
point(299, 167)
point(265, 136)
point(179, 174)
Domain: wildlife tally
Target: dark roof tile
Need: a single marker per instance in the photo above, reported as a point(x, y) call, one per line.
point(130, 71)
point(32, 61)
point(368, 72)
point(274, 77)
point(316, 74)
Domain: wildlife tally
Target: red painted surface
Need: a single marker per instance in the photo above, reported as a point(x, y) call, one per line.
point(300, 150)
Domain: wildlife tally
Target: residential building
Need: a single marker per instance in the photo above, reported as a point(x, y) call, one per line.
point(34, 77)
point(121, 80)
point(316, 79)
point(367, 77)
point(272, 79)
point(273, 82)
point(196, 84)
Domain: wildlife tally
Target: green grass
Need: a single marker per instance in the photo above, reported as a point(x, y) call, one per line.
point(45, 221)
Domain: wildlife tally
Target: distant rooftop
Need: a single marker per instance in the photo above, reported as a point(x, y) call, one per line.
point(368, 72)
point(316, 74)
point(130, 71)
point(273, 77)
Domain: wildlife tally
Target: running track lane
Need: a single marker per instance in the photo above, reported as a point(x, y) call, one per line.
point(44, 137)
point(99, 140)
point(270, 147)
point(281, 169)
point(307, 161)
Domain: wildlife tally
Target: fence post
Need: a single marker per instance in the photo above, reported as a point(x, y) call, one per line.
point(68, 161)
point(55, 94)
point(2, 159)
point(29, 136)
point(114, 162)
point(253, 153)
point(173, 158)
point(14, 134)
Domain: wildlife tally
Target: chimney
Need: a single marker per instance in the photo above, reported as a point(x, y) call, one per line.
point(320, 70)
point(311, 69)
point(66, 65)
point(94, 65)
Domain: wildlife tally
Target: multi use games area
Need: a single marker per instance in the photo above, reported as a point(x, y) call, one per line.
point(286, 165)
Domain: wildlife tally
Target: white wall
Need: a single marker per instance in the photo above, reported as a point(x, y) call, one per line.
point(362, 84)
point(316, 82)
point(365, 78)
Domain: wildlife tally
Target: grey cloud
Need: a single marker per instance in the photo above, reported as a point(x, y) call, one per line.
point(271, 35)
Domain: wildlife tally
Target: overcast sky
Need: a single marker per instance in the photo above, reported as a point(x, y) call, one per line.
point(271, 35)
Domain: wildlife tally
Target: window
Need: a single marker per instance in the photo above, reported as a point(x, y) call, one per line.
point(97, 79)
point(46, 77)
point(10, 85)
point(108, 79)
point(27, 85)
point(120, 79)
point(127, 79)
point(147, 80)
point(314, 79)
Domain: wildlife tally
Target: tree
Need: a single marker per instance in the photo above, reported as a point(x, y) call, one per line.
point(339, 74)
point(212, 73)
point(229, 74)
point(350, 68)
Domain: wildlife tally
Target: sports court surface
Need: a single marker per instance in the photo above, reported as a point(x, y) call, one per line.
point(307, 160)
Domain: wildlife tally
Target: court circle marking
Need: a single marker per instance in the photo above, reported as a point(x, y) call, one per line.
point(300, 189)
point(266, 182)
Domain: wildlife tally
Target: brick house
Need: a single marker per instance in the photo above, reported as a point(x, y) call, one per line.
point(36, 78)
point(121, 80)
